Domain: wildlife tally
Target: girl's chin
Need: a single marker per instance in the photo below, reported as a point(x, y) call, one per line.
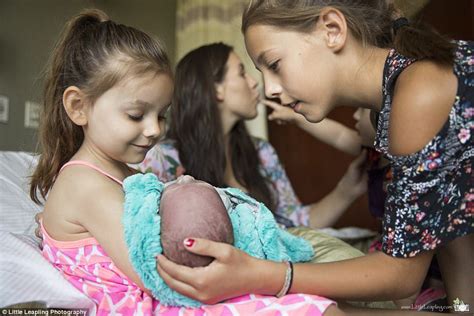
point(251, 116)
point(312, 113)
point(312, 117)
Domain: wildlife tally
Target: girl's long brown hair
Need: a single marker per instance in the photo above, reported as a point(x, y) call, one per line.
point(93, 53)
point(197, 128)
point(369, 21)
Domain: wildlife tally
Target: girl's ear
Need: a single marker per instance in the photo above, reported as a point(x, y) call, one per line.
point(76, 105)
point(334, 25)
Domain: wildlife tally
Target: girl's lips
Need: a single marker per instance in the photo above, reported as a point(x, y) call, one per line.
point(297, 107)
point(147, 147)
point(293, 105)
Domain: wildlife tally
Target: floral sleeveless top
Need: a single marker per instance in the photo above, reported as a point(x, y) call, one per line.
point(431, 199)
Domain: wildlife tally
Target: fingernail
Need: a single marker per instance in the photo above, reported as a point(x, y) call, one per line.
point(189, 242)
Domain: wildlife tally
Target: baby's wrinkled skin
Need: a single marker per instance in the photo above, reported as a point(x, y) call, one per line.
point(191, 208)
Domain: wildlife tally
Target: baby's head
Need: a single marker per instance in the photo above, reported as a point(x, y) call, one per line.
point(191, 208)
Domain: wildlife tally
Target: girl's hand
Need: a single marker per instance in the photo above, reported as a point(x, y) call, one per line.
point(354, 182)
point(280, 114)
point(232, 273)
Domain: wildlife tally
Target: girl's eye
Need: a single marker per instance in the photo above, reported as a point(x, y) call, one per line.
point(135, 118)
point(162, 118)
point(274, 66)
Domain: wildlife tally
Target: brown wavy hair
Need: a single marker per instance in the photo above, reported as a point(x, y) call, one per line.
point(196, 125)
point(93, 53)
point(370, 21)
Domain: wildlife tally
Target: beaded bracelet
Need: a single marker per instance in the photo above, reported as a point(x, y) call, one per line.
point(288, 280)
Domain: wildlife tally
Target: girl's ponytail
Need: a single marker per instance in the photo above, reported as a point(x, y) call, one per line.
point(58, 137)
point(420, 41)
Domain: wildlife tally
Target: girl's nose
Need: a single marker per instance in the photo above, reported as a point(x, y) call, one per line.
point(357, 114)
point(272, 87)
point(152, 129)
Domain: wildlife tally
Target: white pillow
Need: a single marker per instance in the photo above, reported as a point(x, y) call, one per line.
point(17, 211)
point(26, 276)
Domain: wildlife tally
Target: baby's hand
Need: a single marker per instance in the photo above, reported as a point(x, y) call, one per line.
point(280, 113)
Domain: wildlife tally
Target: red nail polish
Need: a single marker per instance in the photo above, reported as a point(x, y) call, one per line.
point(189, 242)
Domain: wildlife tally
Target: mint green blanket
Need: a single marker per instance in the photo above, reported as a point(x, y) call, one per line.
point(255, 232)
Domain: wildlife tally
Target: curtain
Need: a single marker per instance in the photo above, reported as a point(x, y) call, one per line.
point(200, 22)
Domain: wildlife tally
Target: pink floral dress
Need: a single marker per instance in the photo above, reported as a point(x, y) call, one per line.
point(87, 267)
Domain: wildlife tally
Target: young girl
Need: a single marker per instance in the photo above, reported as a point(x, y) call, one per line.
point(315, 55)
point(107, 91)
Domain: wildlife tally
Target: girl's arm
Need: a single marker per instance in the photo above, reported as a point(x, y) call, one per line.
point(328, 131)
point(372, 277)
point(352, 185)
point(102, 217)
point(326, 211)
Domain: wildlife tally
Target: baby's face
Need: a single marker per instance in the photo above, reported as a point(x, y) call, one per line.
point(192, 208)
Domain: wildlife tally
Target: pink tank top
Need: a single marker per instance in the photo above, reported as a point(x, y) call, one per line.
point(89, 269)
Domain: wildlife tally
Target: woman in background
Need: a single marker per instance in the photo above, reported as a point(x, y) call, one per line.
point(208, 140)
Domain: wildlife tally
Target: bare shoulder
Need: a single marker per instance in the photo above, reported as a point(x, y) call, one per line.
point(77, 197)
point(424, 95)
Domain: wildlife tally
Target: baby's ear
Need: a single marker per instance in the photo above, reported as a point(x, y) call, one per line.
point(75, 103)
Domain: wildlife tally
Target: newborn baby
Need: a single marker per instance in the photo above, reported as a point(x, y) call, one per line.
point(192, 208)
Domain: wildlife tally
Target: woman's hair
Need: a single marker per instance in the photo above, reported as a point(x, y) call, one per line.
point(93, 53)
point(370, 21)
point(196, 125)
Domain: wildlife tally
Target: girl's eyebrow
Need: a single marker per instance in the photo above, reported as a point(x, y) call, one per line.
point(135, 103)
point(261, 59)
point(142, 103)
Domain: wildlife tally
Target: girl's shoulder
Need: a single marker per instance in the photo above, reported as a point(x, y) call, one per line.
point(77, 194)
point(264, 148)
point(422, 99)
point(82, 184)
point(268, 156)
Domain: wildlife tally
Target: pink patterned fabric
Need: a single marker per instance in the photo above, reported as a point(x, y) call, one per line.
point(86, 266)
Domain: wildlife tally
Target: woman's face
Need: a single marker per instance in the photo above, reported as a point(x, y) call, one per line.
point(237, 93)
point(296, 67)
